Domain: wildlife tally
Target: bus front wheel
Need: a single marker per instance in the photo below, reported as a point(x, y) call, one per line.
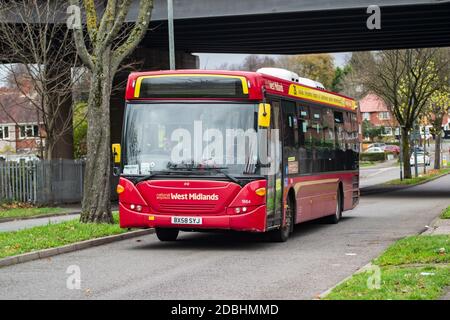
point(167, 234)
point(282, 234)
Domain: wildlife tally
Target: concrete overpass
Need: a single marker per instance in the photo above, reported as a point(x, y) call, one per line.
point(292, 27)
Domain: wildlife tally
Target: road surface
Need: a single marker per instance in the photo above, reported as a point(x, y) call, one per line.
point(390, 170)
point(233, 266)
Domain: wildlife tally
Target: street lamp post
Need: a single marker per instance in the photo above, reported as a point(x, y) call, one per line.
point(171, 34)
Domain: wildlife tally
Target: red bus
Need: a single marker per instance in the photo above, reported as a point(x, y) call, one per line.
point(225, 150)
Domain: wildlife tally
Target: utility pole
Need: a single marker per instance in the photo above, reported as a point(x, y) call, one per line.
point(416, 166)
point(424, 150)
point(171, 35)
point(401, 152)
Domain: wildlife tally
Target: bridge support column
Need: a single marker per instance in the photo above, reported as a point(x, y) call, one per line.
point(62, 108)
point(148, 60)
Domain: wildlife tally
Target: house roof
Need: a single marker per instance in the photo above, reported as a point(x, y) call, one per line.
point(372, 103)
point(15, 107)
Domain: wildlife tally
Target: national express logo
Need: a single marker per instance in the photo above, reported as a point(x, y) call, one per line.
point(187, 196)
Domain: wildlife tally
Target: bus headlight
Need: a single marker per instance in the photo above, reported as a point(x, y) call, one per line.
point(261, 192)
point(120, 189)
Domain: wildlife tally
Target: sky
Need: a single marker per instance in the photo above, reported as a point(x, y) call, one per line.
point(214, 60)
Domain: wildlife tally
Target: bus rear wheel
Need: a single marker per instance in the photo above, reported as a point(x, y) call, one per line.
point(167, 234)
point(333, 219)
point(282, 234)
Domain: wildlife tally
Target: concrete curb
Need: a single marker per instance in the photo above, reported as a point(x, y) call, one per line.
point(45, 253)
point(327, 292)
point(387, 188)
point(50, 215)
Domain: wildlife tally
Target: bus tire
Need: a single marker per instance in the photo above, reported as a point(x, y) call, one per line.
point(334, 218)
point(167, 234)
point(282, 234)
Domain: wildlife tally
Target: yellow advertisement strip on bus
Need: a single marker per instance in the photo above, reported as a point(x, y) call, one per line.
point(320, 96)
point(137, 90)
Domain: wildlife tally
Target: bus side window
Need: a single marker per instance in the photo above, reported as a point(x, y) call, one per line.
point(290, 139)
point(328, 161)
point(316, 129)
point(339, 130)
point(304, 151)
point(303, 122)
point(316, 136)
point(328, 127)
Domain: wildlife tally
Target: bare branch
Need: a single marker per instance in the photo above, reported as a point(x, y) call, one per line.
point(136, 35)
point(87, 59)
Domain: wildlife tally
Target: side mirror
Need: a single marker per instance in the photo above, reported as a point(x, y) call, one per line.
point(116, 151)
point(264, 115)
point(116, 171)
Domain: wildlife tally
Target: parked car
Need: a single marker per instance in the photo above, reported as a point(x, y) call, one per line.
point(374, 150)
point(418, 149)
point(420, 159)
point(19, 158)
point(392, 148)
point(377, 145)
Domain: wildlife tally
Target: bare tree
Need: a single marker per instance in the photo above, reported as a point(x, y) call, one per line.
point(353, 81)
point(319, 67)
point(107, 43)
point(251, 62)
point(39, 55)
point(406, 79)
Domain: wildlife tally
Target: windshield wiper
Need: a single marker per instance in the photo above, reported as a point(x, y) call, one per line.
point(220, 170)
point(191, 166)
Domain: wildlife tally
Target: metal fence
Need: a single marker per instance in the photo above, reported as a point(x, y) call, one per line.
point(42, 182)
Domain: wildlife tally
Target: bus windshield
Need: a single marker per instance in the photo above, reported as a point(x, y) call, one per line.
point(188, 136)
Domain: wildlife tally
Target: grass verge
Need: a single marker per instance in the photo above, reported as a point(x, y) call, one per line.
point(20, 213)
point(417, 250)
point(413, 268)
point(54, 235)
point(425, 283)
point(431, 174)
point(363, 164)
point(446, 213)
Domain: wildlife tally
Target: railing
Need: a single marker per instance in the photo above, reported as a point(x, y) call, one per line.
point(42, 182)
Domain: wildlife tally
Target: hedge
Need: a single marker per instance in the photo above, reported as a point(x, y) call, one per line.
point(375, 156)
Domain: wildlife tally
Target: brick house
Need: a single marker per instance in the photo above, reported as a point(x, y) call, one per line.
point(375, 110)
point(21, 131)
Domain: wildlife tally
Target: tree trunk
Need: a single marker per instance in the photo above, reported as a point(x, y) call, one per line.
point(437, 151)
point(96, 206)
point(47, 165)
point(405, 151)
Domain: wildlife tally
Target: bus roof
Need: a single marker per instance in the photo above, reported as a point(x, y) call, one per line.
point(253, 84)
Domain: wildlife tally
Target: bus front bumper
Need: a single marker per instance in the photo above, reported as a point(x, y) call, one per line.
point(253, 221)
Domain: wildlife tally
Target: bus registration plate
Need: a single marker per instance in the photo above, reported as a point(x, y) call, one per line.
point(186, 220)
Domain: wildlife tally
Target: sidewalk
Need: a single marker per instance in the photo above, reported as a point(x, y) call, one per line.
point(30, 223)
point(440, 226)
point(20, 224)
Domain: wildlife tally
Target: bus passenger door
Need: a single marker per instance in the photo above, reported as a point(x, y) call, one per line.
point(274, 172)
